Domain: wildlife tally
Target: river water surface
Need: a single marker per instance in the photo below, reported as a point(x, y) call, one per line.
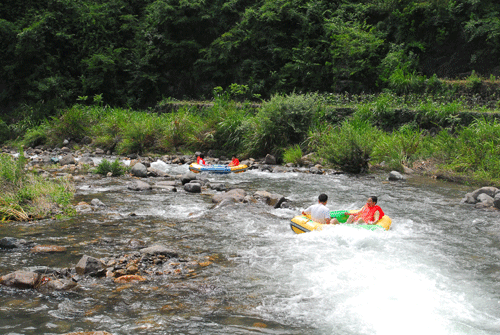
point(437, 271)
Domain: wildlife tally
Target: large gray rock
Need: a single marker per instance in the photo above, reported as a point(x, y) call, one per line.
point(89, 265)
point(236, 195)
point(272, 199)
point(270, 159)
point(496, 200)
point(67, 159)
point(489, 190)
point(395, 175)
point(139, 185)
point(21, 279)
point(186, 178)
point(139, 170)
point(484, 200)
point(192, 187)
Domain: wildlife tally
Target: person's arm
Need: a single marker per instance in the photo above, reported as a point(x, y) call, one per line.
point(376, 217)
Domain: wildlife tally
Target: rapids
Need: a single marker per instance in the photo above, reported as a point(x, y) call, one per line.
point(437, 271)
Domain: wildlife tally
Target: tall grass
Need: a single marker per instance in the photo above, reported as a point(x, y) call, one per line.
point(27, 196)
point(282, 121)
point(348, 146)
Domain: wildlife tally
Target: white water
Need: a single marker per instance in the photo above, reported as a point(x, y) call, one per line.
point(436, 271)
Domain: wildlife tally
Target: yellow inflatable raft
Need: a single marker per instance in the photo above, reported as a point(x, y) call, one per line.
point(303, 223)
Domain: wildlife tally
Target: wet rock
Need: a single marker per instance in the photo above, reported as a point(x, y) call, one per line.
point(489, 190)
point(83, 207)
point(139, 170)
point(317, 169)
point(395, 175)
point(469, 199)
point(496, 201)
point(139, 185)
point(279, 169)
point(86, 161)
point(47, 249)
point(63, 284)
point(21, 279)
point(67, 160)
point(272, 199)
point(90, 266)
point(188, 177)
point(129, 279)
point(236, 195)
point(484, 200)
point(12, 243)
point(192, 187)
point(136, 244)
point(97, 203)
point(270, 159)
point(152, 172)
point(159, 250)
point(218, 187)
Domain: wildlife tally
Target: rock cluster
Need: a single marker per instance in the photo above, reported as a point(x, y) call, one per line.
point(485, 197)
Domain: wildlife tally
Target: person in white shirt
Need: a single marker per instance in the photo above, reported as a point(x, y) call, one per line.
point(319, 212)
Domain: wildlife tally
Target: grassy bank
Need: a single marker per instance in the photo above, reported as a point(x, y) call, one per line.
point(28, 196)
point(347, 132)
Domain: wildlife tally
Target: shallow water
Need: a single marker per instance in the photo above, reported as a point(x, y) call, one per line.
point(436, 271)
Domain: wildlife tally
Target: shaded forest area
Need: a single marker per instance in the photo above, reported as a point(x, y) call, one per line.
point(136, 53)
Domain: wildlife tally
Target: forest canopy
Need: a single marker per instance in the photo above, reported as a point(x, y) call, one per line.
point(135, 53)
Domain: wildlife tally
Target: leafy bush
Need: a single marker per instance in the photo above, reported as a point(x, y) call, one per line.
point(282, 121)
point(348, 146)
point(293, 155)
point(115, 167)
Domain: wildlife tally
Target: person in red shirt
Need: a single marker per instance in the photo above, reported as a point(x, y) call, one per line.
point(234, 162)
point(369, 214)
point(200, 159)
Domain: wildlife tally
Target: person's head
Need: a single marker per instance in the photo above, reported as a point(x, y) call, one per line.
point(323, 198)
point(372, 201)
point(234, 157)
point(202, 156)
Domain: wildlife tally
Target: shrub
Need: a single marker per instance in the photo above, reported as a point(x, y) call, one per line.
point(280, 122)
point(115, 167)
point(293, 155)
point(348, 146)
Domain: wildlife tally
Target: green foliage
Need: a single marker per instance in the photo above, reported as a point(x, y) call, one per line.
point(348, 146)
point(293, 155)
point(27, 196)
point(115, 168)
point(474, 82)
point(282, 121)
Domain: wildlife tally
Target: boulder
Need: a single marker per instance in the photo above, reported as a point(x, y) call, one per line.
point(236, 195)
point(139, 170)
point(496, 201)
point(489, 190)
point(395, 175)
point(272, 199)
point(90, 266)
point(192, 187)
point(139, 185)
point(21, 279)
point(67, 159)
point(186, 178)
point(270, 159)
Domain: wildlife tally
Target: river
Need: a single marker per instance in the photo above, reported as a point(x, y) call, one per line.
point(437, 271)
